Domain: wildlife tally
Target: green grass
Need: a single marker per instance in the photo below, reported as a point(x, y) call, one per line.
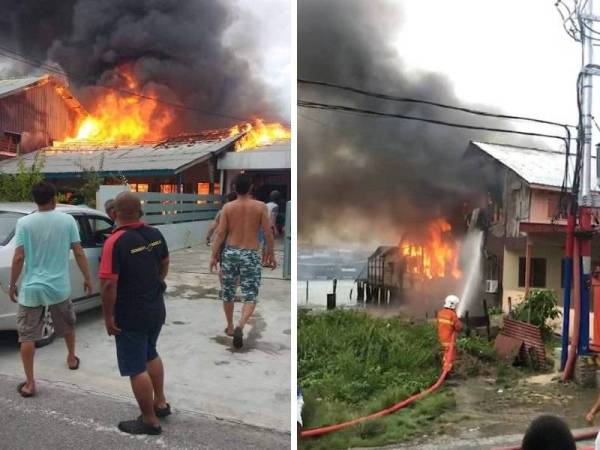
point(351, 364)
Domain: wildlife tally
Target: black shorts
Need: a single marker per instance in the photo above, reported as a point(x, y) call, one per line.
point(135, 349)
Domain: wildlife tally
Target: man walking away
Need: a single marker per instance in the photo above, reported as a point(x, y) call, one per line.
point(135, 263)
point(43, 240)
point(273, 210)
point(239, 224)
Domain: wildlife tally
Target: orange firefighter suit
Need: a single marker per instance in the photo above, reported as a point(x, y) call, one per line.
point(448, 327)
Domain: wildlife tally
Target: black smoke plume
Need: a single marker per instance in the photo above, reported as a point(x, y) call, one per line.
point(360, 176)
point(175, 48)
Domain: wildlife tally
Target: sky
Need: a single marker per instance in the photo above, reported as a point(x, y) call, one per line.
point(513, 54)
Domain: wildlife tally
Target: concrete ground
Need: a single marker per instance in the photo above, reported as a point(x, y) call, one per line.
point(67, 417)
point(204, 374)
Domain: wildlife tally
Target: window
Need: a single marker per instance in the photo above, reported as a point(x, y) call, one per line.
point(8, 221)
point(538, 272)
point(84, 233)
point(138, 187)
point(100, 229)
point(204, 188)
point(168, 188)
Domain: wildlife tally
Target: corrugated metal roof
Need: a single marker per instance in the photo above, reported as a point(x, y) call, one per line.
point(274, 156)
point(161, 158)
point(12, 86)
point(8, 87)
point(535, 166)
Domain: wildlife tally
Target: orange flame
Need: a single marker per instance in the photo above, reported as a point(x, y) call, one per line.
point(259, 134)
point(435, 256)
point(121, 117)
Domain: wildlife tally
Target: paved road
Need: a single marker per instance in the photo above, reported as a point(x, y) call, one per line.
point(203, 372)
point(205, 376)
point(66, 417)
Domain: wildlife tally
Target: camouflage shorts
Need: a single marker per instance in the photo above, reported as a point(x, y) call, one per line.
point(245, 264)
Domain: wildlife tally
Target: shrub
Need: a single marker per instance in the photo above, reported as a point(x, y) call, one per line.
point(17, 188)
point(538, 307)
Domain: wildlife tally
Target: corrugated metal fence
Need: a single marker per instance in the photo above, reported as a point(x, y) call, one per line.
point(176, 208)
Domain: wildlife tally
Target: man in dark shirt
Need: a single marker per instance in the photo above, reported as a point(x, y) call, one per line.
point(135, 262)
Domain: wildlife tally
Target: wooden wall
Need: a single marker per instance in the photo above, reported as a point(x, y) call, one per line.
point(39, 114)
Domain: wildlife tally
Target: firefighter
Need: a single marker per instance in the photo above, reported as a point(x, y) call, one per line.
point(448, 327)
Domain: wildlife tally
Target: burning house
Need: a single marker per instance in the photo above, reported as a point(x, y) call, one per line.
point(421, 267)
point(126, 138)
point(35, 112)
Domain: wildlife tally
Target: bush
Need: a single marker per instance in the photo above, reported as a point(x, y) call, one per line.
point(17, 188)
point(478, 347)
point(538, 307)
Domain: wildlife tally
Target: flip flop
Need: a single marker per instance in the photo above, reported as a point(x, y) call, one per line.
point(138, 426)
point(76, 366)
point(238, 338)
point(24, 394)
point(228, 334)
point(163, 412)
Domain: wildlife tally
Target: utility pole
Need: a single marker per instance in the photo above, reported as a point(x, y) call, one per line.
point(586, 19)
point(579, 24)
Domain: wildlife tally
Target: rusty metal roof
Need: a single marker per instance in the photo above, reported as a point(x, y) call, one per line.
point(529, 334)
point(165, 158)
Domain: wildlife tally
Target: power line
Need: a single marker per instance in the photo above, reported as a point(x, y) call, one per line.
point(368, 112)
point(430, 103)
point(11, 54)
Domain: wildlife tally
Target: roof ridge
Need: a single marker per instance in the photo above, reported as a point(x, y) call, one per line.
point(519, 147)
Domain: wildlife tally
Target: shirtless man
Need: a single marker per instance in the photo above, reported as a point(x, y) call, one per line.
point(239, 223)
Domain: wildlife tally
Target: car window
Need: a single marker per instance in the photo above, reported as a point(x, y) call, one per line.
point(8, 221)
point(83, 232)
point(100, 229)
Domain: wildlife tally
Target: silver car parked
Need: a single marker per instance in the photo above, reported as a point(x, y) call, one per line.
point(94, 228)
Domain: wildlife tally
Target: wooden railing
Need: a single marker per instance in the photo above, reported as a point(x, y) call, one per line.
point(174, 208)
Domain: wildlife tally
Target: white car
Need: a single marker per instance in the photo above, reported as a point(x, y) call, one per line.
point(94, 228)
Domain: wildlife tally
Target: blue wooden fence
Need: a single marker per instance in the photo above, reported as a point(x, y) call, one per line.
point(176, 208)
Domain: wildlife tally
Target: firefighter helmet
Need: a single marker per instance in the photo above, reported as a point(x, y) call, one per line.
point(451, 302)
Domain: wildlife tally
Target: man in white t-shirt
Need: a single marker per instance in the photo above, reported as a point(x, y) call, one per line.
point(273, 210)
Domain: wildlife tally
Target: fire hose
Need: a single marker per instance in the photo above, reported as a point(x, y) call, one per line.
point(314, 432)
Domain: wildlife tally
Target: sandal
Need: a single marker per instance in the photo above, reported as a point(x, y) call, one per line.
point(23, 393)
point(162, 412)
point(227, 333)
point(76, 366)
point(138, 426)
point(238, 338)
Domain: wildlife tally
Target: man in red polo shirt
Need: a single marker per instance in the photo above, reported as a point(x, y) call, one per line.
point(135, 262)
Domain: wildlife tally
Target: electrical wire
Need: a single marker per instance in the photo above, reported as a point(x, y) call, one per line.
point(430, 103)
point(368, 112)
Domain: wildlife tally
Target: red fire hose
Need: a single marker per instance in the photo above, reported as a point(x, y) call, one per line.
point(313, 432)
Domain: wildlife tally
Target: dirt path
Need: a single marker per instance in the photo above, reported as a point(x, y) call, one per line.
point(488, 415)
